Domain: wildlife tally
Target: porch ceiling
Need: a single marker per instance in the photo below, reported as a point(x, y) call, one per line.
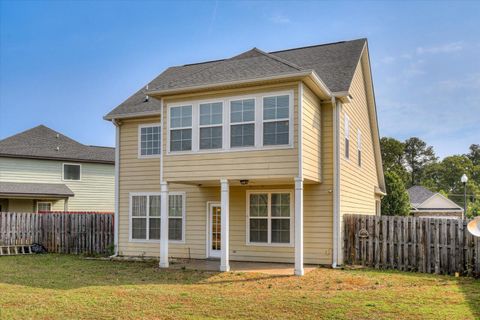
point(236, 182)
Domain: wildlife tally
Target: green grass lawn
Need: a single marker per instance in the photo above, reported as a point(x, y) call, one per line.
point(69, 287)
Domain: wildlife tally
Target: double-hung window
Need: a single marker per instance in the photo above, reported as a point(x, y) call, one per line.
point(181, 128)
point(347, 137)
point(270, 217)
point(149, 140)
point(359, 147)
point(145, 216)
point(72, 172)
point(242, 123)
point(276, 120)
point(211, 120)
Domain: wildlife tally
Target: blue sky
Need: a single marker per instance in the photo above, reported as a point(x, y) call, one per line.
point(66, 64)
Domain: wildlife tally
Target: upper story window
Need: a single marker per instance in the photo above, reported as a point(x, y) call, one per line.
point(347, 137)
point(276, 117)
point(242, 120)
point(149, 140)
point(359, 147)
point(181, 128)
point(211, 125)
point(250, 122)
point(72, 171)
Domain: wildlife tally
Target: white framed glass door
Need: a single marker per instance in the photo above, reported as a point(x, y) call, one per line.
point(215, 230)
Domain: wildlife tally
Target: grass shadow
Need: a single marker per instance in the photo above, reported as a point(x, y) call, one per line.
point(72, 272)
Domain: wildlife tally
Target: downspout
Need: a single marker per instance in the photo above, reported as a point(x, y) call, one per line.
point(117, 187)
point(336, 181)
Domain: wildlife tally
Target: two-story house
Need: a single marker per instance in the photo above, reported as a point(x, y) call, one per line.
point(44, 170)
point(252, 158)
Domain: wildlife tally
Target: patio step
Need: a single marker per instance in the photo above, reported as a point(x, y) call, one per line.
point(15, 250)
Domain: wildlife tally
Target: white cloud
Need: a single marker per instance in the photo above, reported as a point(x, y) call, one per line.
point(279, 18)
point(388, 60)
point(444, 48)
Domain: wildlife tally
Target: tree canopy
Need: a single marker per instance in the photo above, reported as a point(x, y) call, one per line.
point(414, 162)
point(396, 202)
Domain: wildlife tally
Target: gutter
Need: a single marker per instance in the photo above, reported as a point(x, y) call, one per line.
point(117, 187)
point(336, 182)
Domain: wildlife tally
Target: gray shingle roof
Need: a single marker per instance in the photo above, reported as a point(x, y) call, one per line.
point(334, 63)
point(35, 189)
point(418, 195)
point(42, 142)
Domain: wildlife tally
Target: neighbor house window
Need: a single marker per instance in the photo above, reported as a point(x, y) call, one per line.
point(242, 120)
point(211, 119)
point(276, 115)
point(347, 137)
point(72, 171)
point(145, 217)
point(181, 128)
point(269, 217)
point(359, 147)
point(149, 140)
point(44, 206)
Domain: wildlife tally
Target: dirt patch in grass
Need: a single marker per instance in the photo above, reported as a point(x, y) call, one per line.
point(59, 287)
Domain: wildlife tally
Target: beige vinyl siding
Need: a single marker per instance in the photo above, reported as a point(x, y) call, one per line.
point(255, 164)
point(143, 175)
point(311, 135)
point(21, 205)
point(95, 191)
point(357, 194)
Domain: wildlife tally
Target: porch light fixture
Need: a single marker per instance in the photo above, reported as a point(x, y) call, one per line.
point(243, 182)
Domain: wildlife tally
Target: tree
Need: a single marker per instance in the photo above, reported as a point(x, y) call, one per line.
point(396, 202)
point(393, 157)
point(417, 156)
point(474, 154)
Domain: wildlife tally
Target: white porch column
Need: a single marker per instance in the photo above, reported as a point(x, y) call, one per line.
point(225, 205)
point(163, 225)
point(299, 227)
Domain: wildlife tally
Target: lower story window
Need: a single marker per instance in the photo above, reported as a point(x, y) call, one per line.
point(145, 216)
point(269, 217)
point(44, 206)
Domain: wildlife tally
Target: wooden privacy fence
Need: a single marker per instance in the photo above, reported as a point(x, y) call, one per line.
point(88, 233)
point(441, 246)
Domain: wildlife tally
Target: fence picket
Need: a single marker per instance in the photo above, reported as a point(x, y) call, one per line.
point(58, 232)
point(428, 245)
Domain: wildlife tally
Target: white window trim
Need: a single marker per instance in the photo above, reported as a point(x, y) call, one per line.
point(148, 125)
point(42, 202)
point(193, 127)
point(269, 217)
point(347, 137)
point(359, 148)
point(254, 122)
point(147, 194)
point(289, 119)
point(74, 164)
point(226, 123)
point(222, 125)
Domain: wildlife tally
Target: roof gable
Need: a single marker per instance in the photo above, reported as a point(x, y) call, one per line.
point(418, 195)
point(334, 64)
point(45, 143)
point(438, 202)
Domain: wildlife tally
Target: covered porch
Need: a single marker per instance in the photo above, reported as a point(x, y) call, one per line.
point(271, 268)
point(275, 230)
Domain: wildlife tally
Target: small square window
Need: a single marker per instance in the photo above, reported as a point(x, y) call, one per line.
point(71, 171)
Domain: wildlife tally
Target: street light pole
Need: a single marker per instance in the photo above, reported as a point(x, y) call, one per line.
point(464, 180)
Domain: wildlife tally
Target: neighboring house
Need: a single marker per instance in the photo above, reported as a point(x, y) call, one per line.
point(255, 158)
point(428, 204)
point(43, 170)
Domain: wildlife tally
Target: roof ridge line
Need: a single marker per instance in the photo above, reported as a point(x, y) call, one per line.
point(317, 45)
point(286, 62)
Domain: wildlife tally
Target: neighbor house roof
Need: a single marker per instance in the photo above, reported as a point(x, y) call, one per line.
point(334, 64)
point(418, 195)
point(44, 143)
point(35, 189)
